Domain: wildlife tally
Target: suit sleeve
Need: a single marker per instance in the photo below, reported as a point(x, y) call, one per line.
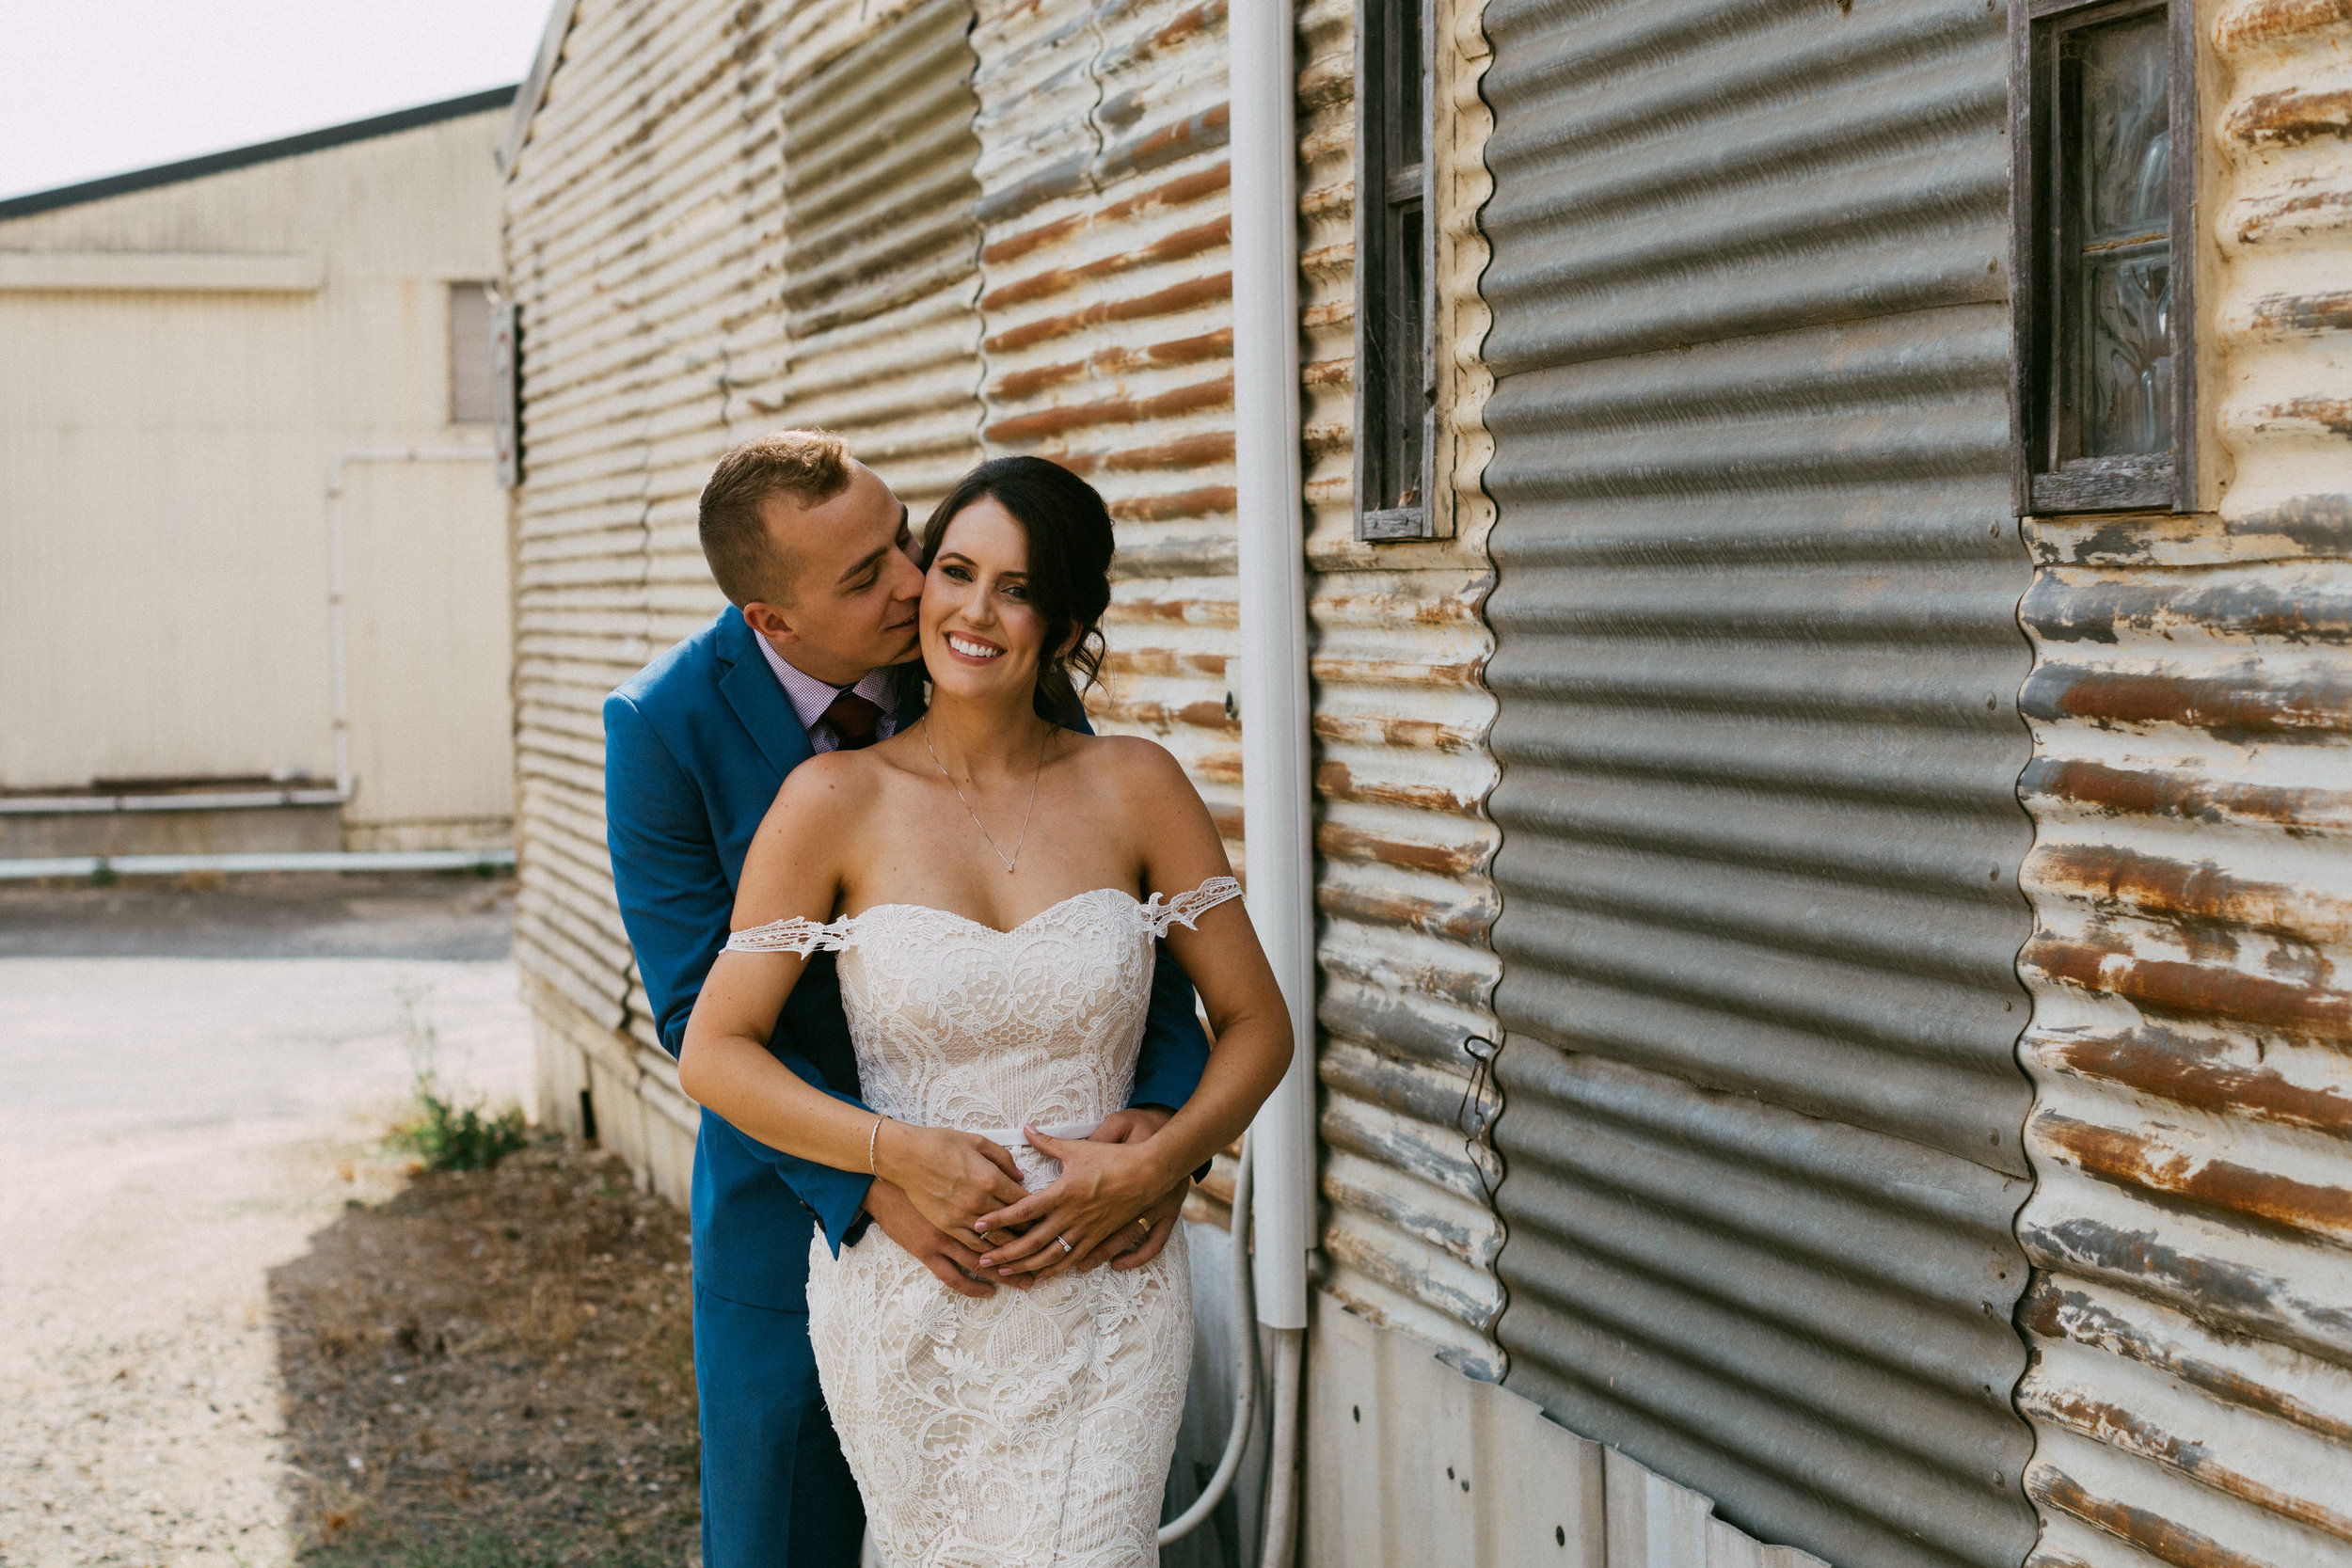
point(675, 902)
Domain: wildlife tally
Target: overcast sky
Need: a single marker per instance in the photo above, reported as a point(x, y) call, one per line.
point(90, 88)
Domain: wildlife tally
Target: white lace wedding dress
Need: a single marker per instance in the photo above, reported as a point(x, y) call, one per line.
point(1033, 1428)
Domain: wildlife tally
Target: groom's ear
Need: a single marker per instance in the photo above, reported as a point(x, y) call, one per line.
point(767, 620)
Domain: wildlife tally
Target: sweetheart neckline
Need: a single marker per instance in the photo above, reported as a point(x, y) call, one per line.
point(1003, 930)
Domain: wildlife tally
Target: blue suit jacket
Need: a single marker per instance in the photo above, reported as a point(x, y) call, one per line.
point(695, 748)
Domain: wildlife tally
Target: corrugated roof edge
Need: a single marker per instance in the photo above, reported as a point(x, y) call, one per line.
point(534, 86)
point(260, 153)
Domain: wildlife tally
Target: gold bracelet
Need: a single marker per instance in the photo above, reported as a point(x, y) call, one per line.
point(873, 1134)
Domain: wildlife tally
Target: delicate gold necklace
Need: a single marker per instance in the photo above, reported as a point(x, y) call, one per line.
point(1014, 859)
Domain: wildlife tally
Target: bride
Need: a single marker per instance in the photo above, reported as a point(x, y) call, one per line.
point(995, 883)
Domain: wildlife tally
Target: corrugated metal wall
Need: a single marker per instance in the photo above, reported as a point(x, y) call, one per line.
point(880, 271)
point(1757, 657)
point(2191, 1316)
point(1401, 769)
point(627, 243)
point(1106, 288)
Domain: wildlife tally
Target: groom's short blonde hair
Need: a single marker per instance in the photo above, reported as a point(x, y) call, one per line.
point(808, 468)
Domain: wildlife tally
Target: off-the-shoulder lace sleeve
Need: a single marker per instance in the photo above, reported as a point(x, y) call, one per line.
point(1185, 907)
point(799, 934)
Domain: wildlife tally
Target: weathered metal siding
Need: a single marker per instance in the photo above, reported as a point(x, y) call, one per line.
point(880, 271)
point(1401, 769)
point(1106, 288)
point(1757, 657)
point(2191, 1315)
point(640, 211)
point(1107, 280)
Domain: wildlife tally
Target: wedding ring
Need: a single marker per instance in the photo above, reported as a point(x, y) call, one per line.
point(1065, 1244)
point(1145, 1223)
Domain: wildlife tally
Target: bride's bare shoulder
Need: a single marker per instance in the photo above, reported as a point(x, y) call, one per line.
point(824, 794)
point(1145, 773)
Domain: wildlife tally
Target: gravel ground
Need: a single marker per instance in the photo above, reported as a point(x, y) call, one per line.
point(194, 1083)
point(494, 1366)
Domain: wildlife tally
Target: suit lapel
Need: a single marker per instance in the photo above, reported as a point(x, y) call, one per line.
point(751, 689)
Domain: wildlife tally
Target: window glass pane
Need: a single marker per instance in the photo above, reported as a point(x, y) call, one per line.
point(2122, 286)
point(471, 400)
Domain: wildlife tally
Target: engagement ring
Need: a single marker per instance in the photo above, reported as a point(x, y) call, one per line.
point(1065, 1244)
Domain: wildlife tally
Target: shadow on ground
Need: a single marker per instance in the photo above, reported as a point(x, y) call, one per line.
point(458, 915)
point(493, 1369)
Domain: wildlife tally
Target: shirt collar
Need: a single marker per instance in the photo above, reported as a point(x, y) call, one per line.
point(810, 696)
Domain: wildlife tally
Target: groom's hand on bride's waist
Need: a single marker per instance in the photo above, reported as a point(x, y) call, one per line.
point(935, 1249)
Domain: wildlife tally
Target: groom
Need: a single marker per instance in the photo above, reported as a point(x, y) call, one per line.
point(812, 549)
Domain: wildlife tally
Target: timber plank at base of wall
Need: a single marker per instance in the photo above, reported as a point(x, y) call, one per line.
point(641, 1114)
point(1410, 1462)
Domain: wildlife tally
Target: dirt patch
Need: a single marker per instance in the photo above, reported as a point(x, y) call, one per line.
point(493, 1367)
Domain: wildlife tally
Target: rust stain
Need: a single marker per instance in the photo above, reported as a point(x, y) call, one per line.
point(2333, 414)
point(1164, 717)
point(1341, 841)
point(1394, 730)
point(2117, 1427)
point(1114, 362)
point(1382, 906)
point(2113, 877)
point(1188, 295)
point(2058, 1313)
point(1191, 451)
point(2264, 218)
point(2199, 1074)
point(1207, 501)
point(1367, 671)
point(2155, 792)
point(1328, 372)
point(2192, 988)
point(1162, 663)
point(2304, 313)
point(1174, 246)
point(2216, 1183)
point(2238, 704)
point(2289, 116)
point(1186, 610)
point(1208, 129)
point(2275, 20)
point(1182, 191)
point(1336, 781)
point(1045, 422)
point(2152, 1532)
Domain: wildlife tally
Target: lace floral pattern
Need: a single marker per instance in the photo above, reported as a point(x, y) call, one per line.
point(1033, 1428)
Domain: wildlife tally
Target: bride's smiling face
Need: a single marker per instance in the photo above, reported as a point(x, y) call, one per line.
point(982, 636)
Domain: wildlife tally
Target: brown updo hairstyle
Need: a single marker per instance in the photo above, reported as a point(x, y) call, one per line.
point(1070, 562)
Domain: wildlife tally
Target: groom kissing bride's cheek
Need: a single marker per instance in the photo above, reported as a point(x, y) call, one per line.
point(927, 949)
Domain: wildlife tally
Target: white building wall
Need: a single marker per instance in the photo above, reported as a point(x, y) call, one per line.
point(184, 365)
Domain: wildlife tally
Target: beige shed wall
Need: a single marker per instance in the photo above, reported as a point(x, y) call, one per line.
point(164, 462)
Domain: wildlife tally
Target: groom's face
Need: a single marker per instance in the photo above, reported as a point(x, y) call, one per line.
point(853, 589)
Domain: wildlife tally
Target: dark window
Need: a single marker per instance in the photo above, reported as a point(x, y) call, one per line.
point(2105, 216)
point(1396, 387)
point(472, 398)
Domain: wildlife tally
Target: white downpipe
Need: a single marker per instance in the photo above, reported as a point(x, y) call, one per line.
point(334, 638)
point(258, 861)
point(1277, 802)
point(1276, 820)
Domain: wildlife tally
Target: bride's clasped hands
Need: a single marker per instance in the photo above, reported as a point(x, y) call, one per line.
point(996, 883)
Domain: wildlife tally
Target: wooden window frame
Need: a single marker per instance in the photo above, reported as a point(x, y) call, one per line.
point(2039, 232)
point(1383, 184)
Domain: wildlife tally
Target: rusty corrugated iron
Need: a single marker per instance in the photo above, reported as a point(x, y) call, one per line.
point(1757, 659)
point(1108, 343)
point(642, 212)
point(1402, 767)
point(879, 269)
point(2192, 964)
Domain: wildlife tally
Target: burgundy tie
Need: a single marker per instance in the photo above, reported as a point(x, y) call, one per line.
point(854, 720)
